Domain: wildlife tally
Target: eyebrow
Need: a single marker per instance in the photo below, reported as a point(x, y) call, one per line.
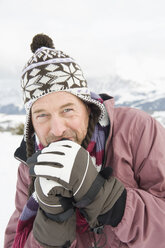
point(67, 105)
point(37, 111)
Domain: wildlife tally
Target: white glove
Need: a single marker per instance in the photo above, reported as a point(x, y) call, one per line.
point(67, 163)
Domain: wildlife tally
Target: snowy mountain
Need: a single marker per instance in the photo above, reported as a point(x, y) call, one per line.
point(148, 96)
point(11, 101)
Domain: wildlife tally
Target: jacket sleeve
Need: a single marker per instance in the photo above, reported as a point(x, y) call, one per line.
point(143, 223)
point(20, 200)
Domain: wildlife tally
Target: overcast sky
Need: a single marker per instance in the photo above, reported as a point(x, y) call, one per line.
point(108, 37)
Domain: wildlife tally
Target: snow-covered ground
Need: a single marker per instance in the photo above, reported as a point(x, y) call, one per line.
point(8, 170)
point(9, 121)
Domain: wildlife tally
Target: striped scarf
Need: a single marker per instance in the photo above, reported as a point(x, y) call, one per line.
point(96, 151)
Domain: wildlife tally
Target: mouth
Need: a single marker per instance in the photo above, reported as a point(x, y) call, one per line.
point(63, 138)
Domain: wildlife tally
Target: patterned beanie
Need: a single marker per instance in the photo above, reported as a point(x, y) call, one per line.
point(50, 70)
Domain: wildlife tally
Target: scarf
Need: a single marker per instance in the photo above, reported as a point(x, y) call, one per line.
point(96, 151)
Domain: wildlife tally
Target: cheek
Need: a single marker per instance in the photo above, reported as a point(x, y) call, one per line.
point(83, 121)
point(78, 125)
point(41, 132)
point(83, 125)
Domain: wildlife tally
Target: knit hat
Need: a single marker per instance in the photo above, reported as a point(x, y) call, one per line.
point(50, 70)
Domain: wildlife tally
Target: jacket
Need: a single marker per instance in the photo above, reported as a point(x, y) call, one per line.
point(135, 149)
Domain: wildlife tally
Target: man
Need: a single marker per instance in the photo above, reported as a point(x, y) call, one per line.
point(94, 175)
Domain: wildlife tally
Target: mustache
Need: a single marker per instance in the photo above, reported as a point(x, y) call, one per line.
point(52, 138)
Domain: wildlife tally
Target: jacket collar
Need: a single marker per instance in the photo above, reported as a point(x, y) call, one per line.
point(20, 152)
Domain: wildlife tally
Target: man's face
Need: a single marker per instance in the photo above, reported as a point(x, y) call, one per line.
point(60, 115)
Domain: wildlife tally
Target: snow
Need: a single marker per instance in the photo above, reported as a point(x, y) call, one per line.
point(9, 121)
point(9, 165)
point(159, 116)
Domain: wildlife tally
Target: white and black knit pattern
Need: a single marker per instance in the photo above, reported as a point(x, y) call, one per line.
point(47, 72)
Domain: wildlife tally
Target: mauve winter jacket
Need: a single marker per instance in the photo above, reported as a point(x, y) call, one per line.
point(135, 149)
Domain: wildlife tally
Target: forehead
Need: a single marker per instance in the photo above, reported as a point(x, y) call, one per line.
point(57, 99)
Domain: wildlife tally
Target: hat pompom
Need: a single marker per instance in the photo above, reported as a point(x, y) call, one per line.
point(41, 40)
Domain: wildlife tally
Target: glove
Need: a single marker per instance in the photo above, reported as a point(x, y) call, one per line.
point(53, 234)
point(70, 165)
point(55, 223)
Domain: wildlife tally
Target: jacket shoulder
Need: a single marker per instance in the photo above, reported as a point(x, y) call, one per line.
point(132, 115)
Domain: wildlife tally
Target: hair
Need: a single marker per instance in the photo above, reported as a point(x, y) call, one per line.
point(30, 149)
point(30, 143)
point(93, 119)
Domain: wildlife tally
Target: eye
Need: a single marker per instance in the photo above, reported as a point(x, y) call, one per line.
point(41, 115)
point(40, 118)
point(67, 110)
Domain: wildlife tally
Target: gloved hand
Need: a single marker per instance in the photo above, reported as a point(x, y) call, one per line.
point(70, 165)
point(55, 223)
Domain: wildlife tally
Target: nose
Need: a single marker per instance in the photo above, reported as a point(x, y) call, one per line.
point(58, 126)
